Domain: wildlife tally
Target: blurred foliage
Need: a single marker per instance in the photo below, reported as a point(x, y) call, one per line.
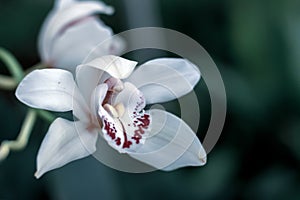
point(256, 45)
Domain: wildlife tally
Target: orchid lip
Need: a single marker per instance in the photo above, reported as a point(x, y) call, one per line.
point(125, 123)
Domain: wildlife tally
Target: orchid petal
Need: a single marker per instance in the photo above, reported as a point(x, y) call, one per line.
point(78, 41)
point(97, 98)
point(87, 79)
point(189, 157)
point(65, 141)
point(59, 19)
point(115, 66)
point(49, 89)
point(165, 79)
point(89, 75)
point(173, 144)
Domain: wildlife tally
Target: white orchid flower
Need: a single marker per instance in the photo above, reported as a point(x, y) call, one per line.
point(105, 100)
point(71, 31)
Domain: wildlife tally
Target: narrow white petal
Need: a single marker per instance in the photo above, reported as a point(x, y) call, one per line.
point(173, 144)
point(89, 75)
point(189, 158)
point(97, 98)
point(116, 66)
point(60, 19)
point(75, 43)
point(87, 79)
point(65, 141)
point(49, 89)
point(164, 79)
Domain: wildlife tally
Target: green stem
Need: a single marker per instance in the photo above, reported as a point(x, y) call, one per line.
point(7, 83)
point(46, 115)
point(22, 139)
point(12, 64)
point(14, 67)
point(10, 83)
point(34, 67)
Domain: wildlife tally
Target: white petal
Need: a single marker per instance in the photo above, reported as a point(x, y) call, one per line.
point(87, 79)
point(74, 45)
point(89, 75)
point(59, 19)
point(116, 66)
point(49, 89)
point(65, 141)
point(164, 79)
point(97, 98)
point(173, 144)
point(189, 157)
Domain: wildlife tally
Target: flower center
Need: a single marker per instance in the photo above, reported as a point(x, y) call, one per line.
point(115, 111)
point(115, 86)
point(127, 123)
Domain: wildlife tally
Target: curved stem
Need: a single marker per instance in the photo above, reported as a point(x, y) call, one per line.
point(7, 83)
point(34, 67)
point(10, 83)
point(22, 139)
point(14, 67)
point(12, 64)
point(46, 115)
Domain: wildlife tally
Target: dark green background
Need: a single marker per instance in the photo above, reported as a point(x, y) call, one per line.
point(255, 44)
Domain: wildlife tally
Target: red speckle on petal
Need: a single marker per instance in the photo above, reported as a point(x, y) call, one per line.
point(145, 120)
point(118, 141)
point(140, 130)
point(111, 131)
point(137, 138)
point(142, 123)
point(126, 143)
